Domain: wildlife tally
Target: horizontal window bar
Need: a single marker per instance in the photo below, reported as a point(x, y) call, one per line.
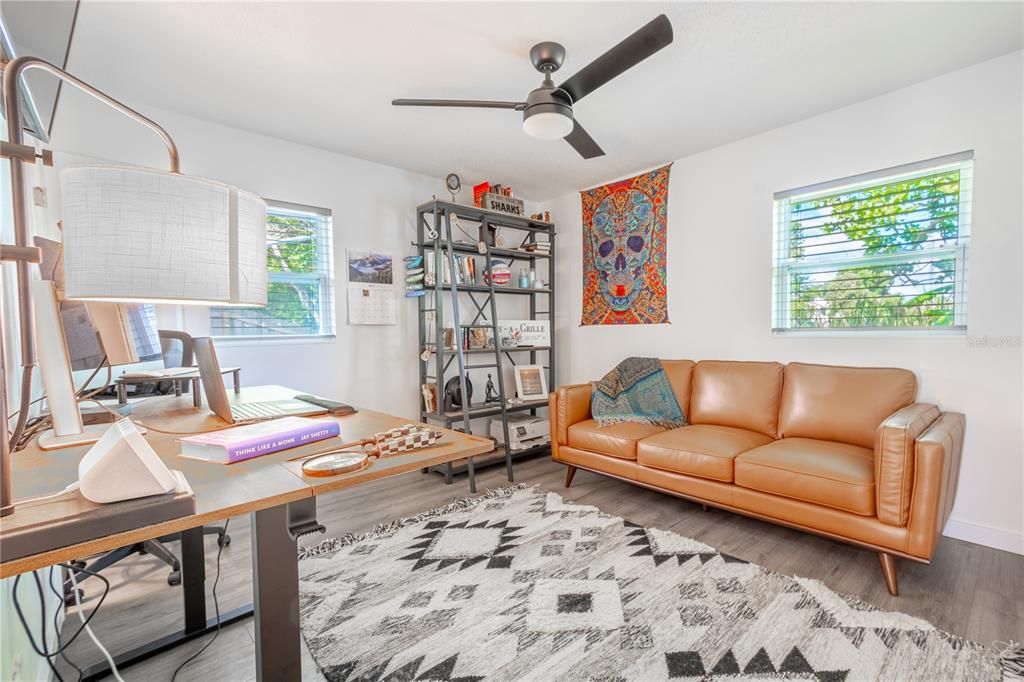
point(883, 174)
point(862, 249)
point(945, 214)
point(915, 329)
point(876, 306)
point(297, 208)
point(797, 286)
point(817, 263)
point(932, 192)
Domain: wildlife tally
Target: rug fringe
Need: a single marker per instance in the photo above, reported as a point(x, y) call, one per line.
point(389, 528)
point(1011, 657)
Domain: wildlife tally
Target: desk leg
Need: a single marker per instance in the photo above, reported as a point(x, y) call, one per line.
point(197, 400)
point(237, 380)
point(275, 567)
point(193, 579)
point(122, 393)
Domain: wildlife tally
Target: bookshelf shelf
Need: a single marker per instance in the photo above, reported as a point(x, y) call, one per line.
point(517, 254)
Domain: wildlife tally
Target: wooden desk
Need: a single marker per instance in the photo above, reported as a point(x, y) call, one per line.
point(280, 499)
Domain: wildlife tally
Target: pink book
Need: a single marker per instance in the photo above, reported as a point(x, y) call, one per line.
point(254, 440)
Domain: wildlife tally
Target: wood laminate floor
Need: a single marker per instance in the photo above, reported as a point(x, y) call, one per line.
point(968, 589)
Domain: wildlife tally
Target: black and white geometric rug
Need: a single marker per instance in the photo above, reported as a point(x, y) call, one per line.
point(523, 585)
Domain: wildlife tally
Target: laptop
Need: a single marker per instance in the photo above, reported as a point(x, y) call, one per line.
point(240, 410)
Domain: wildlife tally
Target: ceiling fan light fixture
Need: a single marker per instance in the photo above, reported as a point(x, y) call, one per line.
point(548, 124)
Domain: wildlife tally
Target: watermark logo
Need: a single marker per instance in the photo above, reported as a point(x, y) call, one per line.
point(987, 341)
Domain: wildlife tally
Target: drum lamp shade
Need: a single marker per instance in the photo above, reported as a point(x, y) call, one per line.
point(141, 235)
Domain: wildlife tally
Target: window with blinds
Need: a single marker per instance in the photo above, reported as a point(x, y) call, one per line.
point(880, 251)
point(300, 289)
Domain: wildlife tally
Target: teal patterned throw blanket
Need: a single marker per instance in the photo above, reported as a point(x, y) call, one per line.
point(637, 390)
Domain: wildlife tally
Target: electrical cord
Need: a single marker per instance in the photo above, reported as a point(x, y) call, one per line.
point(85, 623)
point(216, 610)
point(70, 489)
point(139, 422)
point(92, 376)
point(56, 628)
point(85, 620)
point(42, 618)
point(26, 398)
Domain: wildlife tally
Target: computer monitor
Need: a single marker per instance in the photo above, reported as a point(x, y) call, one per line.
point(74, 335)
point(122, 333)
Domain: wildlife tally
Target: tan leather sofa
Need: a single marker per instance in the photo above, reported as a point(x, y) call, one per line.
point(843, 452)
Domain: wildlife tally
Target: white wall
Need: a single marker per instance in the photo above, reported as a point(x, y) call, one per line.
point(373, 207)
point(719, 268)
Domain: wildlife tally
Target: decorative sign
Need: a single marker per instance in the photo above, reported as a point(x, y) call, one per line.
point(503, 204)
point(524, 333)
point(624, 238)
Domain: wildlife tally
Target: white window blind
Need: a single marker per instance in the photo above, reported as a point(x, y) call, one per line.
point(880, 251)
point(300, 291)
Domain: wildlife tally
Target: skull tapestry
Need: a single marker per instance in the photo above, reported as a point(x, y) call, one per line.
point(624, 235)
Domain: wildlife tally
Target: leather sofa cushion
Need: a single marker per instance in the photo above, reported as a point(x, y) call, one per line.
point(844, 404)
point(832, 474)
point(616, 440)
point(703, 450)
point(680, 375)
point(741, 394)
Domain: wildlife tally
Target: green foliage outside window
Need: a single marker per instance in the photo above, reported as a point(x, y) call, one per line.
point(297, 256)
point(849, 230)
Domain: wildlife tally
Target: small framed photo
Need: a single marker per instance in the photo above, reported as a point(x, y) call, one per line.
point(531, 382)
point(478, 337)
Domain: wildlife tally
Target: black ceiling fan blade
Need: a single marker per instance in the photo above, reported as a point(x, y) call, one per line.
point(582, 142)
point(647, 40)
point(475, 103)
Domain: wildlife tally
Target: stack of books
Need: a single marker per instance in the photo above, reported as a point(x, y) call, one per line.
point(542, 248)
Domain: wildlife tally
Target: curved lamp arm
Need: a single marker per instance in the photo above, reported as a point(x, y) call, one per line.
point(24, 255)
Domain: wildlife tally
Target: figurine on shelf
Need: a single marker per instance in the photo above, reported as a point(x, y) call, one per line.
point(490, 395)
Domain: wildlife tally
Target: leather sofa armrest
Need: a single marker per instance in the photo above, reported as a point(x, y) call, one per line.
point(571, 406)
point(936, 472)
point(894, 460)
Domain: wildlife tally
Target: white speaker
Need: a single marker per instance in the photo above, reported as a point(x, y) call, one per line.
point(123, 466)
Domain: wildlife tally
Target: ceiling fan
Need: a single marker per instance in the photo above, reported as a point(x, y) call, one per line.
point(547, 111)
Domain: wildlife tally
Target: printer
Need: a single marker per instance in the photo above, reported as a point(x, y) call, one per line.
point(524, 431)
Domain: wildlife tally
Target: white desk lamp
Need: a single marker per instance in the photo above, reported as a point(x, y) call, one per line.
point(131, 234)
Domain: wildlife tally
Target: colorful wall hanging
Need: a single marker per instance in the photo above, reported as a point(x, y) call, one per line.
point(624, 237)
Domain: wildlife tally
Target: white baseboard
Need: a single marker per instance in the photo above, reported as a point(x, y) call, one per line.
point(985, 535)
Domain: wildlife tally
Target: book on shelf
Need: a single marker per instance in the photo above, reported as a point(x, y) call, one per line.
point(254, 440)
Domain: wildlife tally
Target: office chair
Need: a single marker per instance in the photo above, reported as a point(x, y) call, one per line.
point(176, 348)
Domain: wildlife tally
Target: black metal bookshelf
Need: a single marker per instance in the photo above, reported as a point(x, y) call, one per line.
point(434, 219)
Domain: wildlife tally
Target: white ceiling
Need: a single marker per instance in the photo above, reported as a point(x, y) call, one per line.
point(324, 74)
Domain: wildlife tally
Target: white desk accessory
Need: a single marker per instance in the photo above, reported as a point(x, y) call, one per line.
point(123, 466)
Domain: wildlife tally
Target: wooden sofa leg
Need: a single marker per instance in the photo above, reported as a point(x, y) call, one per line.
point(570, 471)
point(888, 562)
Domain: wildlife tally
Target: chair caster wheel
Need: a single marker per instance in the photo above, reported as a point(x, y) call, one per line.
point(174, 578)
point(69, 599)
point(78, 564)
point(223, 540)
